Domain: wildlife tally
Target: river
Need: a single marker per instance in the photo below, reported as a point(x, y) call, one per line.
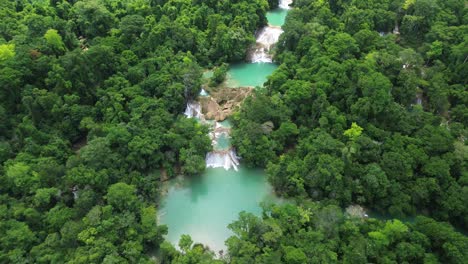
point(203, 206)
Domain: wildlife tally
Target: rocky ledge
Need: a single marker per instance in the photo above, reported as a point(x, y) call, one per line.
point(222, 102)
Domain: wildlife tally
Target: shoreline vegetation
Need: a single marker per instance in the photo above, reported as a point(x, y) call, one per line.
point(92, 96)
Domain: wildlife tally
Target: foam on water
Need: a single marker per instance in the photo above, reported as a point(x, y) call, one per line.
point(226, 159)
point(203, 206)
point(266, 38)
point(193, 110)
point(223, 154)
point(285, 4)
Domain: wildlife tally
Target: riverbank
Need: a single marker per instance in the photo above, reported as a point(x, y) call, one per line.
point(204, 206)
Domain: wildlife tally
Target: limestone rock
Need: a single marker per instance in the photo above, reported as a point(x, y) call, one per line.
point(223, 102)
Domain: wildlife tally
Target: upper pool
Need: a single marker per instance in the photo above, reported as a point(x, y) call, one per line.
point(249, 74)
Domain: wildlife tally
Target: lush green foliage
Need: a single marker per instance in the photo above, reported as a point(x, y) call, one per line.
point(313, 234)
point(354, 116)
point(91, 96)
point(91, 93)
point(219, 74)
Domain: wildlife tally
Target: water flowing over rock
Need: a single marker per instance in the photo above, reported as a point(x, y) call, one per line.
point(219, 104)
point(269, 36)
point(193, 110)
point(419, 98)
point(266, 38)
point(285, 4)
point(226, 187)
point(218, 158)
point(226, 159)
point(260, 54)
point(221, 157)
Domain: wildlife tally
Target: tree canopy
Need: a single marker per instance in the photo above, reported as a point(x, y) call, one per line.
point(91, 102)
point(368, 106)
point(374, 97)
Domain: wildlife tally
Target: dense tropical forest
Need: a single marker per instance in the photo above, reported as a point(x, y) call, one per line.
point(368, 107)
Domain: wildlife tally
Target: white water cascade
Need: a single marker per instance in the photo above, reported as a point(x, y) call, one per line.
point(226, 156)
point(285, 4)
point(222, 159)
point(203, 92)
point(193, 110)
point(218, 158)
point(266, 38)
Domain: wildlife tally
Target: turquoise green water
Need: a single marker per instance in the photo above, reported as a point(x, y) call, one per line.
point(249, 74)
point(277, 17)
point(203, 206)
point(223, 142)
point(225, 123)
point(255, 74)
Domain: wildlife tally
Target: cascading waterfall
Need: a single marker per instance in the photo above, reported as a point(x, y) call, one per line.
point(221, 157)
point(284, 4)
point(203, 92)
point(193, 110)
point(266, 38)
point(217, 192)
point(226, 156)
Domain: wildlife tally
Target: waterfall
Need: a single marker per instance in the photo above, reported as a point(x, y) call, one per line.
point(193, 110)
point(266, 38)
point(419, 98)
point(285, 4)
point(222, 159)
point(260, 55)
point(269, 36)
point(221, 156)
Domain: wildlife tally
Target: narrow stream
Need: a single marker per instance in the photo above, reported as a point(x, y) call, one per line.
point(203, 206)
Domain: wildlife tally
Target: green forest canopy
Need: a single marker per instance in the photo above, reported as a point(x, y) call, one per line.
point(369, 107)
point(91, 99)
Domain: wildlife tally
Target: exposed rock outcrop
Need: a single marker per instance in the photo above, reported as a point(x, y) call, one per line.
point(222, 102)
